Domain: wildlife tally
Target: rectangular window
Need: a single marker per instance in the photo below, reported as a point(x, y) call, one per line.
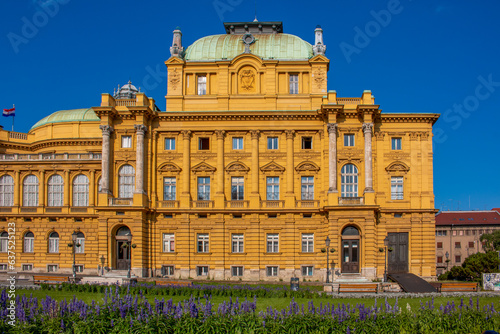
point(307, 143)
point(454, 233)
point(170, 144)
point(202, 85)
point(80, 249)
point(167, 270)
point(273, 188)
point(237, 188)
point(237, 243)
point(3, 267)
point(439, 245)
point(307, 188)
point(126, 141)
point(52, 268)
point(237, 143)
point(349, 139)
point(4, 241)
point(203, 243)
point(473, 232)
point(79, 268)
point(203, 143)
point(444, 233)
point(307, 270)
point(397, 187)
point(458, 258)
point(169, 188)
point(27, 267)
point(396, 143)
point(29, 244)
point(294, 83)
point(439, 259)
point(467, 232)
point(461, 232)
point(53, 245)
point(272, 143)
point(237, 271)
point(272, 271)
point(307, 242)
point(202, 270)
point(273, 243)
point(203, 189)
point(168, 242)
point(458, 245)
point(471, 244)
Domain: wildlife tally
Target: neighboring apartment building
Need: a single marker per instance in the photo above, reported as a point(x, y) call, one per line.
point(458, 233)
point(244, 176)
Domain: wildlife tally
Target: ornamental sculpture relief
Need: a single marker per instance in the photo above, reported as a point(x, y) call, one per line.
point(319, 78)
point(175, 79)
point(247, 80)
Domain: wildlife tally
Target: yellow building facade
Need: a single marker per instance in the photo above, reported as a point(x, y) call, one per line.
point(252, 165)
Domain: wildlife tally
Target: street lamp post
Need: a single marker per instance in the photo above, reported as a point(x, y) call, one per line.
point(74, 235)
point(327, 243)
point(129, 246)
point(447, 259)
point(386, 244)
point(103, 260)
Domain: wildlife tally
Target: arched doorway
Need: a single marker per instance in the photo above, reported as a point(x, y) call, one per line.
point(351, 250)
point(122, 249)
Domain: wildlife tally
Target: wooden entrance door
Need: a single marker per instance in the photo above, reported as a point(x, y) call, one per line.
point(350, 256)
point(122, 255)
point(398, 259)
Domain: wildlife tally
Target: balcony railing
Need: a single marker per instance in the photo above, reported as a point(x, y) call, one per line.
point(202, 204)
point(52, 156)
point(349, 100)
point(237, 204)
point(272, 204)
point(351, 200)
point(18, 135)
point(121, 202)
point(307, 204)
point(125, 102)
point(169, 204)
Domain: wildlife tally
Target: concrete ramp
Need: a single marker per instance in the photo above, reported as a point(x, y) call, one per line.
point(412, 283)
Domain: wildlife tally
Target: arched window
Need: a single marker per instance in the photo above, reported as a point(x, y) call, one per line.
point(54, 242)
point(81, 190)
point(80, 240)
point(126, 181)
point(30, 191)
point(29, 242)
point(122, 231)
point(349, 181)
point(4, 242)
point(6, 190)
point(55, 190)
point(350, 230)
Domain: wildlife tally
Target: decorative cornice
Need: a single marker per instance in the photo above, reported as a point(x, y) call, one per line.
point(307, 166)
point(272, 167)
point(397, 167)
point(237, 167)
point(203, 167)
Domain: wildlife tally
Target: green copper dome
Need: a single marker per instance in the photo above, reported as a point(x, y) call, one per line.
point(267, 46)
point(73, 115)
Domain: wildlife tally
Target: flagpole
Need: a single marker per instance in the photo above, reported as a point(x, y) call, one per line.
point(13, 106)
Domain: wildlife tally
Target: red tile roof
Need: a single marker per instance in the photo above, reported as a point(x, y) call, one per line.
point(468, 218)
point(496, 209)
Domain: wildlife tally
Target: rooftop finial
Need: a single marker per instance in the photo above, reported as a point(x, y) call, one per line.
point(319, 48)
point(176, 49)
point(255, 20)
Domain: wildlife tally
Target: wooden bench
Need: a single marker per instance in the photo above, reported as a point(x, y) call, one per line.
point(458, 287)
point(358, 287)
point(37, 279)
point(176, 283)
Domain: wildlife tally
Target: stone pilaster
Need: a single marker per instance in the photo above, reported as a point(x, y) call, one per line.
point(219, 181)
point(185, 199)
point(92, 188)
point(105, 163)
point(254, 195)
point(367, 130)
point(289, 195)
point(41, 195)
point(17, 187)
point(332, 157)
point(139, 159)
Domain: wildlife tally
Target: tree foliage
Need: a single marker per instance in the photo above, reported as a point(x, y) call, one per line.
point(491, 241)
point(473, 267)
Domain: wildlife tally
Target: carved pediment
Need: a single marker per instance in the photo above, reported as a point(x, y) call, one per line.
point(203, 167)
point(169, 167)
point(272, 167)
point(307, 166)
point(397, 167)
point(237, 167)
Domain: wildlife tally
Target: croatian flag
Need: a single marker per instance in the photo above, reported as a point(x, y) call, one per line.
point(9, 112)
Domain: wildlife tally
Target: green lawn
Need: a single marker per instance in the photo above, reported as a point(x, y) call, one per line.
point(277, 303)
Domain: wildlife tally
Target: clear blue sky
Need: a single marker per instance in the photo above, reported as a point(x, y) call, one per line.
point(416, 56)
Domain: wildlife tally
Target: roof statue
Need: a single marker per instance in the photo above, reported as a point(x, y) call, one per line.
point(127, 91)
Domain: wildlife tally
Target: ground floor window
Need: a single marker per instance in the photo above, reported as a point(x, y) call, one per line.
point(52, 268)
point(202, 270)
point(272, 271)
point(79, 268)
point(27, 267)
point(167, 270)
point(237, 271)
point(307, 270)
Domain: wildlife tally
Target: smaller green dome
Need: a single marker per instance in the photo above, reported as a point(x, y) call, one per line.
point(266, 46)
point(73, 115)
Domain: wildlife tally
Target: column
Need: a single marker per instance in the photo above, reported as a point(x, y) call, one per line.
point(254, 196)
point(92, 188)
point(106, 133)
point(67, 188)
point(289, 196)
point(139, 159)
point(219, 190)
point(367, 130)
point(186, 169)
point(41, 193)
point(17, 187)
point(332, 157)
